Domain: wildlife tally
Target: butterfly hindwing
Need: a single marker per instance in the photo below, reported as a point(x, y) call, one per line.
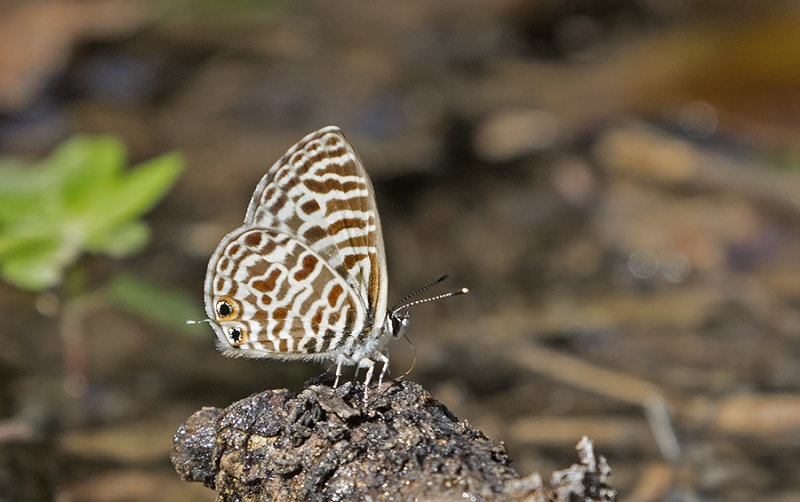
point(319, 193)
point(282, 297)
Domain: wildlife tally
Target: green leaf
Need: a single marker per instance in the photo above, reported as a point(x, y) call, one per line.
point(123, 240)
point(129, 197)
point(21, 192)
point(86, 167)
point(79, 199)
point(36, 270)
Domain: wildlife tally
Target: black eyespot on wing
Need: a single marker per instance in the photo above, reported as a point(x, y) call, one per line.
point(226, 309)
point(236, 335)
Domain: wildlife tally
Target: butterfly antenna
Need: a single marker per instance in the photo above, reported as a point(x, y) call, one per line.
point(413, 361)
point(209, 321)
point(398, 306)
point(407, 306)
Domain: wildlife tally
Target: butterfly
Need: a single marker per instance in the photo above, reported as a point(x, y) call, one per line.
point(305, 276)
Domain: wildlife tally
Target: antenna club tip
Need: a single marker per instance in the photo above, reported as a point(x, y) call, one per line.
point(464, 291)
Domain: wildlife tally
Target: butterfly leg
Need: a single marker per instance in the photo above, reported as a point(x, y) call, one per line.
point(339, 362)
point(370, 365)
point(385, 360)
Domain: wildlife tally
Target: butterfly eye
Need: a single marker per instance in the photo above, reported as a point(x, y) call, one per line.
point(399, 324)
point(225, 309)
point(236, 335)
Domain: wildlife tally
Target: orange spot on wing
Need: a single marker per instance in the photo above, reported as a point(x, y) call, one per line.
point(317, 318)
point(253, 239)
point(309, 263)
point(351, 259)
point(333, 296)
point(268, 284)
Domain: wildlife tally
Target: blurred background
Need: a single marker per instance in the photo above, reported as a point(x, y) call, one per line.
point(616, 182)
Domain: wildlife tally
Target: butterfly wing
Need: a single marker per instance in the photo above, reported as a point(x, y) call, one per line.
point(271, 295)
point(320, 194)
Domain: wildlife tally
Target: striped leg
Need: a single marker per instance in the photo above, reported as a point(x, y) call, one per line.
point(385, 360)
point(370, 365)
point(339, 362)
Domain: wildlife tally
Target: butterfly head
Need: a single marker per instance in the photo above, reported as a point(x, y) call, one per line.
point(397, 318)
point(396, 323)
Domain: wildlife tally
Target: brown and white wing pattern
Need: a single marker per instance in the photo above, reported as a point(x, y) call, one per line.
point(305, 276)
point(320, 193)
point(273, 296)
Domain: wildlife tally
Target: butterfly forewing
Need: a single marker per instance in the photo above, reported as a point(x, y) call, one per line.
point(319, 193)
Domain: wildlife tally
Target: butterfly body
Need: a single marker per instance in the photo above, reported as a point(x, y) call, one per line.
point(305, 276)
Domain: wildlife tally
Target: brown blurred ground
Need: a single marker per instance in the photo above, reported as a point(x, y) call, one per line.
point(616, 182)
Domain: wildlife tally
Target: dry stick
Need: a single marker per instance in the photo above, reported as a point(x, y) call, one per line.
point(605, 382)
point(555, 431)
point(73, 338)
point(16, 430)
point(650, 154)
